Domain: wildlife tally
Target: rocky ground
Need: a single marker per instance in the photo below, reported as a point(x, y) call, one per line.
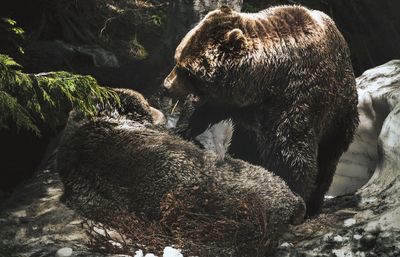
point(34, 222)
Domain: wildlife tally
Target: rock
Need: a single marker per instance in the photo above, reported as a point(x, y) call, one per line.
point(100, 56)
point(342, 253)
point(202, 7)
point(171, 252)
point(139, 253)
point(338, 239)
point(286, 245)
point(64, 252)
point(349, 222)
point(59, 55)
point(368, 241)
point(378, 96)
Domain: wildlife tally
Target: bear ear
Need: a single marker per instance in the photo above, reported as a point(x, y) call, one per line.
point(235, 39)
point(225, 9)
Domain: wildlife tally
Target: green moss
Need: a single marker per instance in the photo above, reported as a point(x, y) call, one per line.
point(158, 18)
point(42, 101)
point(137, 50)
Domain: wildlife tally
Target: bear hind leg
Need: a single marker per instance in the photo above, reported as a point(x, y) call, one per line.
point(330, 149)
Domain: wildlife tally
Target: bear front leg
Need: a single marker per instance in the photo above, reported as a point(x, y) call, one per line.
point(290, 151)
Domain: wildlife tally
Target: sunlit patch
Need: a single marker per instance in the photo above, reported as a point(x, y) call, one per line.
point(217, 138)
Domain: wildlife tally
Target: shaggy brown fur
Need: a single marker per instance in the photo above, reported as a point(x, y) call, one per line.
point(284, 75)
point(126, 163)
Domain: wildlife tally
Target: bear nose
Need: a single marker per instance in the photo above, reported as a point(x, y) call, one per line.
point(164, 89)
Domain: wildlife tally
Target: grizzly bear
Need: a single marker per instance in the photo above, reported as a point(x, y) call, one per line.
point(125, 162)
point(284, 76)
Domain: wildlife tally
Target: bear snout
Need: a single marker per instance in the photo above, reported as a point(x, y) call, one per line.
point(166, 86)
point(158, 116)
point(175, 86)
point(170, 86)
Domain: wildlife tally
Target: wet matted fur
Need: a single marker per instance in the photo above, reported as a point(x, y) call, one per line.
point(124, 168)
point(284, 76)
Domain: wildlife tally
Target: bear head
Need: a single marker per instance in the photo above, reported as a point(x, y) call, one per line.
point(210, 61)
point(136, 107)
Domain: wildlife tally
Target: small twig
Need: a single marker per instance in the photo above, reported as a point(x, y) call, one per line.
point(173, 109)
point(105, 26)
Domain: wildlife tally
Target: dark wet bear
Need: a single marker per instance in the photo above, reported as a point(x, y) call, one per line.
point(285, 78)
point(123, 162)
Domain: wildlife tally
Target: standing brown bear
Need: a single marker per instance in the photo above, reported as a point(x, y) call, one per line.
point(285, 78)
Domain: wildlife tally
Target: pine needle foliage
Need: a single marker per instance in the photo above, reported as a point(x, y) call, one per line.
point(12, 37)
point(37, 102)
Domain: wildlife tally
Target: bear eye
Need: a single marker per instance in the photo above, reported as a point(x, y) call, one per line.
point(185, 72)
